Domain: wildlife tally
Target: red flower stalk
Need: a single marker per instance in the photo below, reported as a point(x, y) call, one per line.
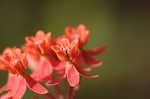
point(86, 56)
point(40, 56)
point(15, 62)
point(66, 52)
point(46, 56)
point(69, 50)
point(37, 46)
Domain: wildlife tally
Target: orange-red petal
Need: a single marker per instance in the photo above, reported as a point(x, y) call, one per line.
point(43, 72)
point(16, 87)
point(35, 86)
point(73, 76)
point(97, 50)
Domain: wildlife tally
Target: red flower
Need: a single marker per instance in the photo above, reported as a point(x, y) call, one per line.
point(80, 33)
point(14, 61)
point(86, 56)
point(37, 46)
point(66, 52)
point(64, 56)
point(69, 49)
point(40, 56)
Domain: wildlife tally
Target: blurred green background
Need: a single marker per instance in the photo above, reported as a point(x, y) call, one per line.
point(123, 25)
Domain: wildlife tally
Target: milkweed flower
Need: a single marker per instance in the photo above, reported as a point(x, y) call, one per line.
point(66, 52)
point(37, 47)
point(80, 33)
point(86, 56)
point(15, 62)
point(69, 49)
point(50, 60)
point(40, 57)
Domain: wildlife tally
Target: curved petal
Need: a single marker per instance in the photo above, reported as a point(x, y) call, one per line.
point(6, 96)
point(56, 81)
point(11, 80)
point(84, 38)
point(87, 75)
point(82, 73)
point(81, 28)
point(84, 33)
point(60, 68)
point(73, 76)
point(97, 50)
point(20, 89)
point(16, 87)
point(40, 34)
point(79, 61)
point(6, 87)
point(33, 62)
point(88, 69)
point(43, 72)
point(91, 61)
point(74, 51)
point(35, 86)
point(53, 59)
point(69, 30)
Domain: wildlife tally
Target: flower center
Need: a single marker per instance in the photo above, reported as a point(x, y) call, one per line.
point(65, 49)
point(15, 61)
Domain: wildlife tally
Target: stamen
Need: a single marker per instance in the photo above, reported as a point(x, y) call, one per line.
point(65, 49)
point(15, 61)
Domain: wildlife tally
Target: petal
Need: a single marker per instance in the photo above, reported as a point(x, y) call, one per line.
point(97, 50)
point(73, 76)
point(74, 51)
point(60, 68)
point(6, 96)
point(84, 37)
point(20, 89)
point(11, 80)
point(40, 34)
point(53, 59)
point(35, 86)
point(82, 73)
point(91, 61)
point(69, 30)
point(43, 71)
point(32, 62)
point(87, 75)
point(62, 56)
point(84, 33)
point(56, 81)
point(88, 69)
point(79, 61)
point(81, 28)
point(29, 39)
point(16, 87)
point(55, 48)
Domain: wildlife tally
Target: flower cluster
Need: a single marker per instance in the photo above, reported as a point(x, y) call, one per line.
point(47, 57)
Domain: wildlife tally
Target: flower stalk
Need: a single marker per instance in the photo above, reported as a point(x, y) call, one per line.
point(50, 60)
